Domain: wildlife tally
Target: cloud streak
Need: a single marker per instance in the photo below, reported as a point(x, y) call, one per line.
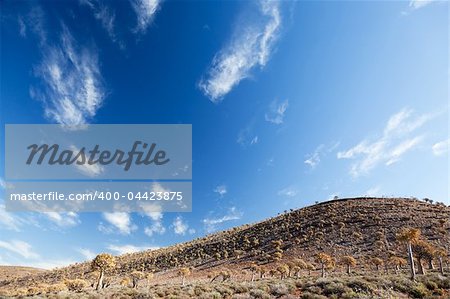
point(395, 141)
point(212, 223)
point(73, 85)
point(120, 221)
point(276, 112)
point(145, 12)
point(251, 47)
point(19, 247)
point(441, 148)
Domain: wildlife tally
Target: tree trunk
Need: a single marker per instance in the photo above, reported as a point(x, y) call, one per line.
point(396, 269)
point(348, 269)
point(441, 266)
point(430, 264)
point(182, 280)
point(100, 280)
point(420, 267)
point(411, 261)
point(323, 270)
point(253, 276)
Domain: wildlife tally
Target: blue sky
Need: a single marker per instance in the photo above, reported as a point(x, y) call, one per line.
point(290, 103)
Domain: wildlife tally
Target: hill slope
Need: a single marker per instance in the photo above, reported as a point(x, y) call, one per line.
point(361, 227)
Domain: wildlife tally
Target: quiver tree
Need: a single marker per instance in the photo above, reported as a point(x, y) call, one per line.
point(149, 277)
point(135, 277)
point(377, 262)
point(440, 253)
point(291, 267)
point(262, 271)
point(324, 260)
point(397, 262)
point(296, 271)
point(310, 267)
point(254, 269)
point(409, 236)
point(348, 262)
point(283, 270)
point(184, 272)
point(103, 263)
point(424, 251)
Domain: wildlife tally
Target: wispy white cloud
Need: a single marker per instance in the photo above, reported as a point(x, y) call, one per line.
point(9, 220)
point(314, 158)
point(288, 192)
point(35, 23)
point(246, 137)
point(395, 141)
point(416, 4)
point(87, 253)
point(402, 148)
point(128, 248)
point(211, 223)
point(276, 112)
point(106, 16)
point(251, 47)
point(374, 191)
point(65, 219)
point(180, 226)
point(154, 212)
point(22, 26)
point(441, 148)
point(145, 12)
point(120, 221)
point(19, 247)
point(221, 190)
point(156, 227)
point(73, 85)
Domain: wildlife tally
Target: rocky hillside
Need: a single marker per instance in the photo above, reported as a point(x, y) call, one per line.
point(361, 227)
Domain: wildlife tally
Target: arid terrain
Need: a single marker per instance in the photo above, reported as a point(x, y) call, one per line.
point(346, 248)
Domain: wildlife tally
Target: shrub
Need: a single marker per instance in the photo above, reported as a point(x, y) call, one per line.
point(336, 288)
point(210, 295)
point(224, 290)
point(308, 295)
point(56, 288)
point(279, 290)
point(76, 285)
point(359, 285)
point(239, 288)
point(258, 293)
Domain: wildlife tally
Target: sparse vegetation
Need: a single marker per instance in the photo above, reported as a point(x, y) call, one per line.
point(288, 255)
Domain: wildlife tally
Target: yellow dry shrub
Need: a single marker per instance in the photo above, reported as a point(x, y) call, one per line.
point(56, 288)
point(75, 285)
